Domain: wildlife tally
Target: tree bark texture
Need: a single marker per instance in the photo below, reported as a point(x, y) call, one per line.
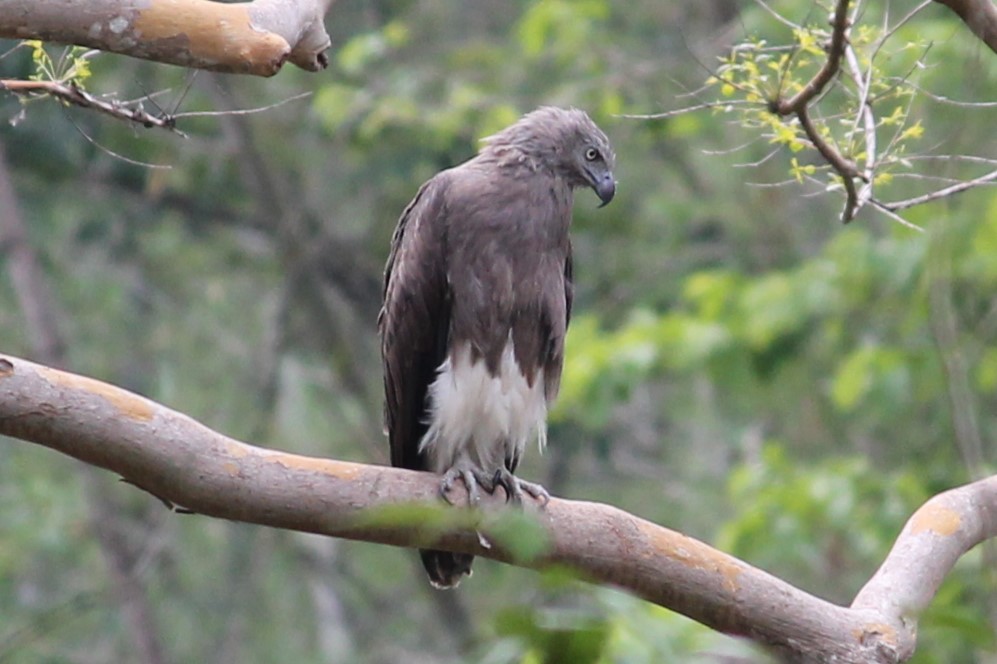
point(246, 38)
point(184, 463)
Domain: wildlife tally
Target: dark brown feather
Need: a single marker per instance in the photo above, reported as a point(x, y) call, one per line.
point(482, 255)
point(413, 322)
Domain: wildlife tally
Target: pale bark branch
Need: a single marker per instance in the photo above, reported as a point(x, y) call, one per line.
point(246, 38)
point(945, 192)
point(185, 463)
point(943, 529)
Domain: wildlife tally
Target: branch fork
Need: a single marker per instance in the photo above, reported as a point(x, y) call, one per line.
point(185, 463)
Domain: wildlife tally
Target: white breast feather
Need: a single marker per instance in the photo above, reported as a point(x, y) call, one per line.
point(480, 417)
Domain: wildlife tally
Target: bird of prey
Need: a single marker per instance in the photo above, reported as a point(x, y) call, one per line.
point(477, 298)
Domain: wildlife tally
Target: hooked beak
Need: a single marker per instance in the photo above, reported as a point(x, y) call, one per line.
point(605, 188)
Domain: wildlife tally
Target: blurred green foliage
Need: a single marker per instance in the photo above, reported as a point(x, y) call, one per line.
point(740, 367)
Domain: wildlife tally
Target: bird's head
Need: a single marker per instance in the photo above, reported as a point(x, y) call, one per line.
point(565, 141)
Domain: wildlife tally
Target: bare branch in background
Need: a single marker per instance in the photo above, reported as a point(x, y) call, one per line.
point(71, 94)
point(799, 105)
point(841, 65)
point(132, 111)
point(945, 192)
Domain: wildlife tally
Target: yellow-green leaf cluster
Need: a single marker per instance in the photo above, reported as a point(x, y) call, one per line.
point(756, 75)
point(71, 67)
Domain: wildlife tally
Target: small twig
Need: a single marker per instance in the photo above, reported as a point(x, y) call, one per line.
point(777, 16)
point(940, 193)
point(116, 155)
point(774, 185)
point(727, 151)
point(147, 97)
point(868, 121)
point(927, 178)
point(948, 100)
point(896, 26)
point(72, 94)
point(899, 81)
point(694, 94)
point(687, 109)
point(20, 44)
point(243, 111)
point(898, 134)
point(947, 157)
point(759, 162)
point(876, 205)
point(130, 111)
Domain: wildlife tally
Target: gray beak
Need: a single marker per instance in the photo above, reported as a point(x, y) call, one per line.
point(605, 188)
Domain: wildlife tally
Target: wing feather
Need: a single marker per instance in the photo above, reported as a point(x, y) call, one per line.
point(414, 321)
point(553, 362)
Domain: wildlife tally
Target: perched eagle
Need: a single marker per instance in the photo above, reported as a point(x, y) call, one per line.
point(477, 297)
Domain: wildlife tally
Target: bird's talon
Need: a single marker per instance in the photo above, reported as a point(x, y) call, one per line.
point(471, 481)
point(541, 496)
point(445, 493)
point(515, 488)
point(500, 479)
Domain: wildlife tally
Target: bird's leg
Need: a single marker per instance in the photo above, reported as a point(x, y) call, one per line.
point(472, 478)
point(515, 487)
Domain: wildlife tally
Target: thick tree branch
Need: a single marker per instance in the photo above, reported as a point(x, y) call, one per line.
point(934, 538)
point(185, 463)
point(980, 16)
point(246, 38)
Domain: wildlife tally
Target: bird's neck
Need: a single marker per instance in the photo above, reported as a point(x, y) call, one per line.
point(511, 155)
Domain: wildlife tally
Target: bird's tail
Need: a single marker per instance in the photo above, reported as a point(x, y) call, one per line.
point(446, 569)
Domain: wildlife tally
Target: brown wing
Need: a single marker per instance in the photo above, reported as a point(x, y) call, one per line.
point(414, 322)
point(554, 359)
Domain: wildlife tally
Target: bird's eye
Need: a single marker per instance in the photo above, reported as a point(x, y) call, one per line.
point(591, 154)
